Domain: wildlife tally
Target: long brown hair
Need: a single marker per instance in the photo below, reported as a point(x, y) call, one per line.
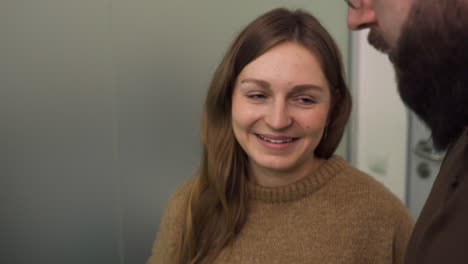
point(218, 205)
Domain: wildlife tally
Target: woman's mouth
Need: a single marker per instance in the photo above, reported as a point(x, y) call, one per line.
point(276, 139)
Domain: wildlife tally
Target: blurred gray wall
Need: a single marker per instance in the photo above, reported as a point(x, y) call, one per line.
point(100, 103)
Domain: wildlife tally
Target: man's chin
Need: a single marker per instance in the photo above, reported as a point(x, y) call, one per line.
point(376, 40)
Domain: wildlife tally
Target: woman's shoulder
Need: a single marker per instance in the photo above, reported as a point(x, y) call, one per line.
point(171, 226)
point(179, 198)
point(360, 187)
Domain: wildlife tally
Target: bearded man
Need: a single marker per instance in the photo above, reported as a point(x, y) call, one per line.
point(427, 42)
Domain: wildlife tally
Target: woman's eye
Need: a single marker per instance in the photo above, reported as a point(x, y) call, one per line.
point(306, 100)
point(256, 96)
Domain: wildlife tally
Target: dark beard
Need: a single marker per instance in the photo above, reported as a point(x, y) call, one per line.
point(376, 40)
point(431, 63)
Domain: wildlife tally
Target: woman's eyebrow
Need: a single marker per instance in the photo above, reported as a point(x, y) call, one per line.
point(261, 83)
point(296, 89)
point(306, 87)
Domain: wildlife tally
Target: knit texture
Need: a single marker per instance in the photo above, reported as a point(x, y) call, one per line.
point(337, 214)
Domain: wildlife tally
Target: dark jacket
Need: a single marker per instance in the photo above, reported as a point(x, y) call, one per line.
point(441, 232)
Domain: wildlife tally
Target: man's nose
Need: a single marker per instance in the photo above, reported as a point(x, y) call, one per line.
point(361, 18)
point(279, 116)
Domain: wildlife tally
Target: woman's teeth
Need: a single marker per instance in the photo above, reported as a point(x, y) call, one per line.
point(276, 141)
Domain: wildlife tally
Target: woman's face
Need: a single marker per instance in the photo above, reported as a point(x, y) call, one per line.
point(280, 106)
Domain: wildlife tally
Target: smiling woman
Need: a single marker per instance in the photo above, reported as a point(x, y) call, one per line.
point(280, 108)
point(269, 189)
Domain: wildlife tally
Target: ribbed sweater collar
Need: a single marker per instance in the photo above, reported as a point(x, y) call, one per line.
point(304, 187)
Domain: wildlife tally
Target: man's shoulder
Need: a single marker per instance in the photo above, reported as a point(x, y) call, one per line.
point(456, 161)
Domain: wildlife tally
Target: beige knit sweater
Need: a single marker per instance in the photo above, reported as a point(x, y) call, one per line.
point(337, 214)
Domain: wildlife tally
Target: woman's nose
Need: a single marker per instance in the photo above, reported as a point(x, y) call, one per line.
point(279, 116)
